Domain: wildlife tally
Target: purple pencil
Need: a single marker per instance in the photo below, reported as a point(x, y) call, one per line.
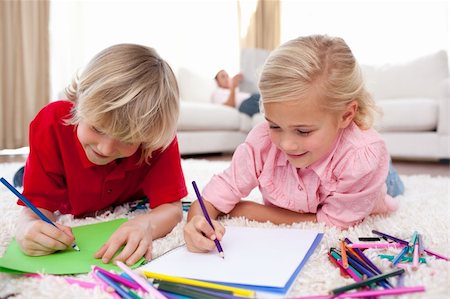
point(390, 237)
point(205, 213)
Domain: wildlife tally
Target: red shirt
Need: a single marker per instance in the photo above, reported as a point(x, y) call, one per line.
point(59, 176)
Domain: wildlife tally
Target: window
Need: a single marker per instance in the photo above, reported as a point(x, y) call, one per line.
point(200, 35)
point(378, 32)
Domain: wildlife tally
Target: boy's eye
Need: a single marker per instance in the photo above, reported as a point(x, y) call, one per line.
point(96, 130)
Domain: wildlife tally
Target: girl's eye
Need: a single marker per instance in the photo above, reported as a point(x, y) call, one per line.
point(303, 133)
point(273, 127)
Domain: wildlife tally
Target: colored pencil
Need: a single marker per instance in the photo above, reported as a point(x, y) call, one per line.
point(386, 292)
point(369, 239)
point(32, 207)
point(416, 257)
point(141, 281)
point(236, 291)
point(343, 254)
point(366, 282)
point(205, 213)
point(376, 245)
point(128, 283)
point(124, 293)
point(226, 292)
point(404, 258)
point(191, 291)
point(390, 237)
point(398, 257)
point(439, 256)
point(341, 268)
point(358, 252)
point(350, 270)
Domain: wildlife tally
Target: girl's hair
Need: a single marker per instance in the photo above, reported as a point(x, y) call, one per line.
point(320, 64)
point(129, 93)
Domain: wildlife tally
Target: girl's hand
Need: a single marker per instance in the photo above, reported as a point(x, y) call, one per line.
point(36, 237)
point(200, 236)
point(136, 236)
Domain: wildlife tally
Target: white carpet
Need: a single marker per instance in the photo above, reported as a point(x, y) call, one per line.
point(425, 207)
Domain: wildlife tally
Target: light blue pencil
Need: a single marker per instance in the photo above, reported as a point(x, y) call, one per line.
point(31, 206)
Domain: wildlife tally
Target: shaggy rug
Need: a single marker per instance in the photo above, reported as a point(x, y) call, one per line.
point(425, 207)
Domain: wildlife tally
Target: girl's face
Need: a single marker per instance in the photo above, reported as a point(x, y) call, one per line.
point(304, 131)
point(101, 149)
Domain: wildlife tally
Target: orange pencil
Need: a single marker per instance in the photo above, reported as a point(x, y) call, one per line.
point(344, 255)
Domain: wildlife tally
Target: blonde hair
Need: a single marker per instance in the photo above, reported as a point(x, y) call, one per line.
point(131, 94)
point(321, 64)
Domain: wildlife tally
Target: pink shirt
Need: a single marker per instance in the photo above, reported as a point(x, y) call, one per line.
point(342, 188)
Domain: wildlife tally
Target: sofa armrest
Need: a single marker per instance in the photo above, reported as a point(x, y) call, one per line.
point(444, 108)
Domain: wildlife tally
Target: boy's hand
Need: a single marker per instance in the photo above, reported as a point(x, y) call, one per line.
point(36, 237)
point(136, 237)
point(235, 80)
point(200, 236)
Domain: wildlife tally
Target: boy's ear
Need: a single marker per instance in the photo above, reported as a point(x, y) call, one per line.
point(349, 114)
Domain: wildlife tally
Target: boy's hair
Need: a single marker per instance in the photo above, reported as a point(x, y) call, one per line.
point(321, 64)
point(131, 94)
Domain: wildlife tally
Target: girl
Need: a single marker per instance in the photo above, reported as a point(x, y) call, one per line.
point(316, 158)
point(112, 142)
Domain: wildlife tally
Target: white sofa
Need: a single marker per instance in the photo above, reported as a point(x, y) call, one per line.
point(413, 96)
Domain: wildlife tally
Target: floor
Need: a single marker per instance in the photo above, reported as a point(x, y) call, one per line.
point(403, 167)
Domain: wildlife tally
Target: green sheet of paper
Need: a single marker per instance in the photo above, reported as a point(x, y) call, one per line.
point(89, 239)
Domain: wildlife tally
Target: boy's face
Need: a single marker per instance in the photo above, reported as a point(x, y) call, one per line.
point(302, 130)
point(101, 149)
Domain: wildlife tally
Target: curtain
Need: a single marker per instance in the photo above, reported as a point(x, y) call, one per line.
point(24, 60)
point(259, 24)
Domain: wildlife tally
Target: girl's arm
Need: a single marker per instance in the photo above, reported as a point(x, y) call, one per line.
point(276, 215)
point(198, 234)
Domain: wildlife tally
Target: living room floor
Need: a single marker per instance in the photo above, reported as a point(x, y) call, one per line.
point(404, 167)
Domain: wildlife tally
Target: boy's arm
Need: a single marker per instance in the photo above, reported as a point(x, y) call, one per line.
point(163, 218)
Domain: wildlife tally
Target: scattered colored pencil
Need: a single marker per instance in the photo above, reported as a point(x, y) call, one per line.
point(141, 281)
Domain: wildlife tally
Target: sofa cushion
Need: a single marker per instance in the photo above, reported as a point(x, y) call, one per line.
point(195, 87)
point(417, 78)
point(408, 115)
point(195, 116)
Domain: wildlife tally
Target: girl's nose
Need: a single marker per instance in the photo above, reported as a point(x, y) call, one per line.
point(288, 144)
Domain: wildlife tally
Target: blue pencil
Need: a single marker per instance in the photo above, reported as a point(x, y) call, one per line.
point(31, 206)
point(205, 213)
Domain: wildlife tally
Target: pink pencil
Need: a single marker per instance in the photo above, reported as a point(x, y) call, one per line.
point(384, 292)
point(376, 245)
point(349, 271)
point(105, 286)
point(416, 257)
point(141, 281)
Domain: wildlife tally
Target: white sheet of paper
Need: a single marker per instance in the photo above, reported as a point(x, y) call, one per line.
point(253, 256)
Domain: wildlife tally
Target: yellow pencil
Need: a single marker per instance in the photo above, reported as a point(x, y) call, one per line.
point(199, 283)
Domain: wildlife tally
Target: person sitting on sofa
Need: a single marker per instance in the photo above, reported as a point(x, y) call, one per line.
point(227, 93)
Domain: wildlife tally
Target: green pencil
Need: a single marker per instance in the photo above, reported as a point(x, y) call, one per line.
point(185, 291)
point(366, 282)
